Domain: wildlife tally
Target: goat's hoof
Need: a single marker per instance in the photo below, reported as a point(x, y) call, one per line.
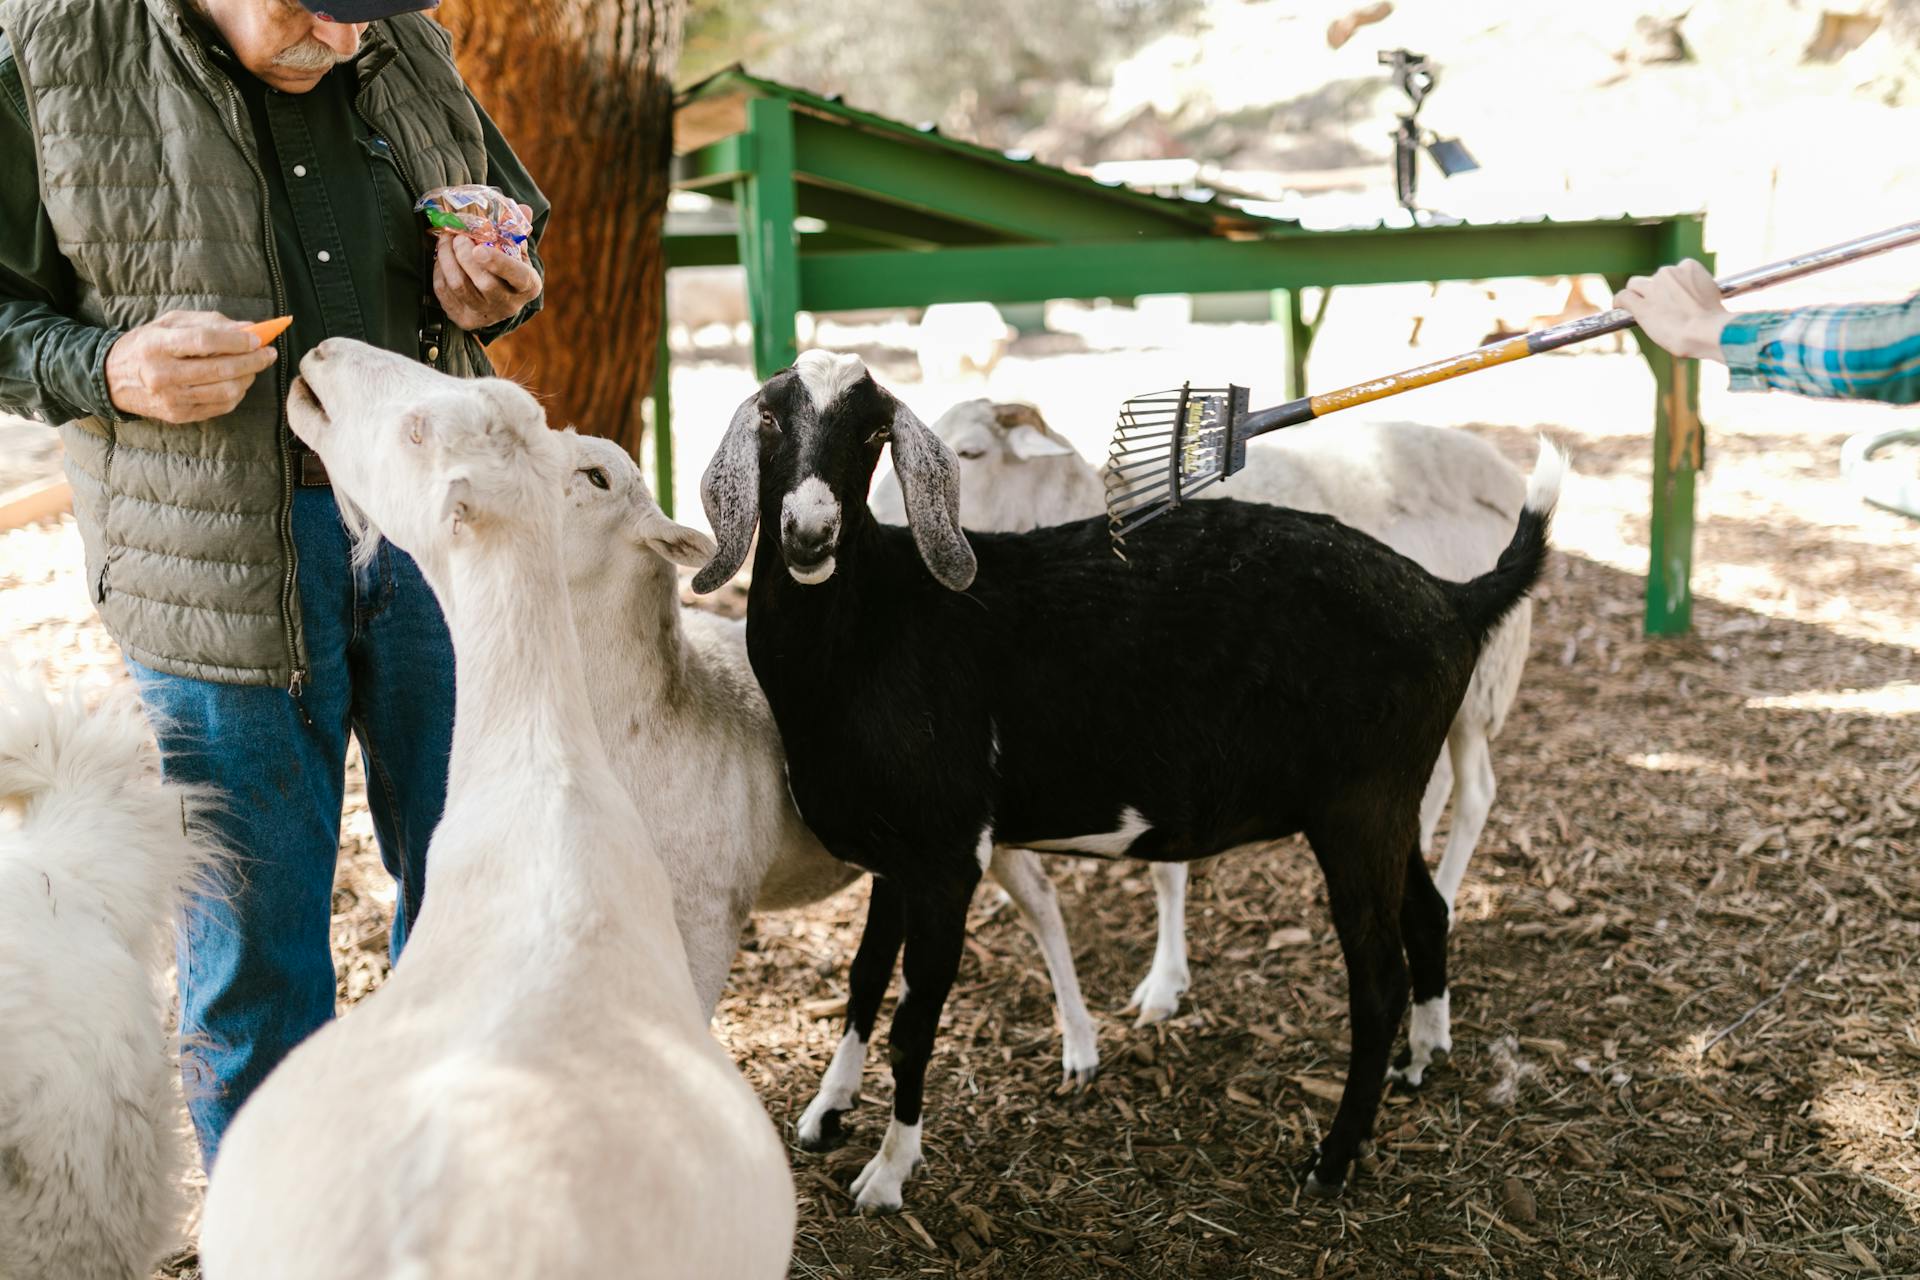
point(1157, 998)
point(1077, 1072)
point(878, 1189)
point(1325, 1191)
point(820, 1131)
point(1408, 1077)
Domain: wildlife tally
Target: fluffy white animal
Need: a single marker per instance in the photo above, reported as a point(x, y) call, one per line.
point(95, 862)
point(534, 1092)
point(958, 339)
point(1442, 498)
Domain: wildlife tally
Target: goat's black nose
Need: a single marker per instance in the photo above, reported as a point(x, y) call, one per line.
point(810, 546)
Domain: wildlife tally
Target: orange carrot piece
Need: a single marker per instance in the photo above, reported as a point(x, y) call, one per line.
point(268, 330)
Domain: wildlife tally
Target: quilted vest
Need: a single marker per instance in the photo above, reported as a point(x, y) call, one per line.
point(151, 178)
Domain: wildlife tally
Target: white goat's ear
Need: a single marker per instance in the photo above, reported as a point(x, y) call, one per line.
point(677, 542)
point(1029, 443)
point(456, 504)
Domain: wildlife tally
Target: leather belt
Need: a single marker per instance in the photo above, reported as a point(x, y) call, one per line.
point(309, 471)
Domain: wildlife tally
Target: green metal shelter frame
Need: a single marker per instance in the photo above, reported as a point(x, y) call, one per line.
point(908, 217)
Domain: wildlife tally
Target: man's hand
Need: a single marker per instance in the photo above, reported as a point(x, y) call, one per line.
point(187, 366)
point(478, 285)
point(1678, 307)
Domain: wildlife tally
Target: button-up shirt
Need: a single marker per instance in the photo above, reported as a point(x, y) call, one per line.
point(1864, 351)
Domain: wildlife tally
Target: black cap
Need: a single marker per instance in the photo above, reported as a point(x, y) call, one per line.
point(354, 11)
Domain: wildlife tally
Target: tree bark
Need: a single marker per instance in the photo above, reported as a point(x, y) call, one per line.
point(583, 91)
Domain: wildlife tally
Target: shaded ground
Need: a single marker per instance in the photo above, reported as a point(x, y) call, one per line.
point(1688, 832)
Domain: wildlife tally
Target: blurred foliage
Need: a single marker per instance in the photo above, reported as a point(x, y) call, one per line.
point(984, 69)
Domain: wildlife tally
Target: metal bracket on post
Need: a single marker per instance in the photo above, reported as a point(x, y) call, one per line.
point(768, 247)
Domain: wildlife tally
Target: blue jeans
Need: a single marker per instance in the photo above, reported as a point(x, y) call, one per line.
point(255, 959)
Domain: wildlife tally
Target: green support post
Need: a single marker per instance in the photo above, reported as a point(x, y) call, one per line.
point(1679, 450)
point(1300, 335)
point(769, 248)
point(663, 413)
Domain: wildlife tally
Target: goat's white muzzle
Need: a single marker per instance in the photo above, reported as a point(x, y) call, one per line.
point(810, 531)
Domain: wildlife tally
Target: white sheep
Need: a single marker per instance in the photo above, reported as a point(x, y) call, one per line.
point(958, 339)
point(534, 1091)
point(1443, 498)
point(687, 729)
point(95, 862)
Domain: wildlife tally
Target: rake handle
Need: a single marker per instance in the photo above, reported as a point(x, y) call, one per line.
point(1508, 350)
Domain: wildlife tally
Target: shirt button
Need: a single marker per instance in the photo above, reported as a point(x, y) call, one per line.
point(433, 353)
point(299, 171)
point(324, 256)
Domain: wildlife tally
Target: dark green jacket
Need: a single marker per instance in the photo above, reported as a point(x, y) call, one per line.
point(152, 191)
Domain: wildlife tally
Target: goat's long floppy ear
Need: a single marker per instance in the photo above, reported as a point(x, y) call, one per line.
point(730, 491)
point(930, 483)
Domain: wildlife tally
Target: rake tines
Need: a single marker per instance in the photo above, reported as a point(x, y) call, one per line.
point(1167, 446)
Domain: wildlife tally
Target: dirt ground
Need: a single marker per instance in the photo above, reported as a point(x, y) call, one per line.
point(1686, 1029)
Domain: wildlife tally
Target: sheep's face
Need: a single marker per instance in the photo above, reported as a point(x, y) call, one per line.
point(799, 456)
point(610, 516)
point(998, 445)
point(419, 456)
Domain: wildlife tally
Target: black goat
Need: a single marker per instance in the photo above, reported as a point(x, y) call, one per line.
point(1248, 673)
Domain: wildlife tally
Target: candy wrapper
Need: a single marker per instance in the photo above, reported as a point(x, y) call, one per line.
point(482, 214)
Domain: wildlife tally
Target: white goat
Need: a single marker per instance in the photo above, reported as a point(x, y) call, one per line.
point(1442, 498)
point(956, 339)
point(534, 1092)
point(95, 861)
point(688, 731)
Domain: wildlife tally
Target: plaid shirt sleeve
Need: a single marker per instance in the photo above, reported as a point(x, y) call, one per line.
point(1867, 351)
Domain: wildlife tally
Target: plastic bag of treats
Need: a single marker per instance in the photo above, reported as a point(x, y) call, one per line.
point(484, 215)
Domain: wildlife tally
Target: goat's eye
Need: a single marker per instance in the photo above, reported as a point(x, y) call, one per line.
point(596, 477)
point(881, 436)
point(970, 453)
point(768, 422)
point(413, 433)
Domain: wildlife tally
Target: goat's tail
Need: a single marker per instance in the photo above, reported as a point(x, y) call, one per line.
point(1485, 600)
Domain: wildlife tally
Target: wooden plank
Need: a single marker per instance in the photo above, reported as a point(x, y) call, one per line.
point(32, 503)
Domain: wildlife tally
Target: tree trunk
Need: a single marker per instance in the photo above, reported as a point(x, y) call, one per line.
point(583, 92)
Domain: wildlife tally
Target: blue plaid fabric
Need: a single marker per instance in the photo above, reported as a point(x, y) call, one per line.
point(1868, 351)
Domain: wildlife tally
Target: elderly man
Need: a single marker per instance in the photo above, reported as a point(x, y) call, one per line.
point(168, 173)
point(1852, 351)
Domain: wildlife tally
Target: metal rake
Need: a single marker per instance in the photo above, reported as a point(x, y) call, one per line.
point(1169, 445)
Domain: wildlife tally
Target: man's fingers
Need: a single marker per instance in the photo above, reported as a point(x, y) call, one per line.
point(455, 285)
point(466, 258)
point(193, 320)
point(518, 277)
point(1699, 281)
point(222, 339)
point(209, 371)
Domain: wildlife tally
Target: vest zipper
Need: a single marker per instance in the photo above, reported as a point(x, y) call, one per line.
point(287, 550)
